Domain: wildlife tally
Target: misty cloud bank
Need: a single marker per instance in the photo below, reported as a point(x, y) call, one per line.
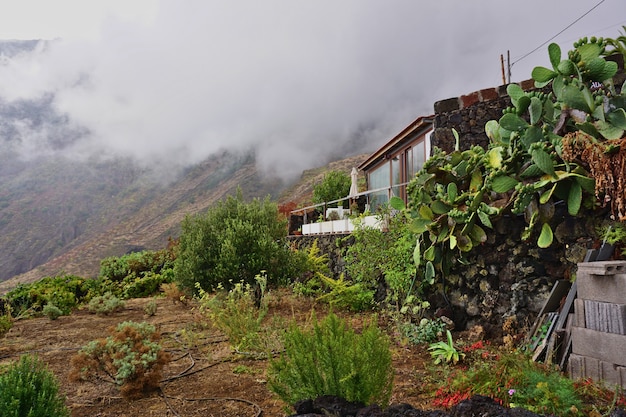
point(293, 81)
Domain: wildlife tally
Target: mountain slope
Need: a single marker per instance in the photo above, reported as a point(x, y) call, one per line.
point(137, 216)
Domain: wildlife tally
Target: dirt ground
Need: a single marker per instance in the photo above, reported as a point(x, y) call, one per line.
point(205, 377)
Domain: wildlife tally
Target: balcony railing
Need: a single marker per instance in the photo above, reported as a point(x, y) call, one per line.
point(343, 221)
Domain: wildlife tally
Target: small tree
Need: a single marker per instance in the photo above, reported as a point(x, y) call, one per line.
point(29, 389)
point(335, 185)
point(233, 242)
point(331, 359)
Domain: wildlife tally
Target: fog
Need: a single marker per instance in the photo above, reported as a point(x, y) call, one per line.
point(292, 80)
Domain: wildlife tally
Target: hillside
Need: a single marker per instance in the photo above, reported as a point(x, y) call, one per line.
point(63, 218)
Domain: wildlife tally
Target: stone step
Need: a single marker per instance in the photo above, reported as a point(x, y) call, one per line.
point(608, 347)
point(598, 370)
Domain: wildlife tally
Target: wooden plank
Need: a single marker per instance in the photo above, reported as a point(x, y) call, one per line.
point(559, 290)
point(565, 357)
point(554, 344)
point(552, 303)
point(540, 350)
point(568, 306)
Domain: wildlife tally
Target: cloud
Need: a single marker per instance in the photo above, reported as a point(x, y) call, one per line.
point(292, 80)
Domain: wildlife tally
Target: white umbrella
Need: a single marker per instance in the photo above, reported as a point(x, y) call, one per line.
point(354, 188)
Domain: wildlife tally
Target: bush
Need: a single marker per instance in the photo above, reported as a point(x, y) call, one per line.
point(29, 389)
point(333, 360)
point(516, 380)
point(427, 331)
point(387, 256)
point(234, 312)
point(65, 292)
point(151, 308)
point(6, 321)
point(51, 311)
point(132, 357)
point(334, 186)
point(232, 243)
point(137, 274)
point(105, 304)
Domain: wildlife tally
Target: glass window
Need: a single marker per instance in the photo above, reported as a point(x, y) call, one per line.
point(379, 178)
point(396, 177)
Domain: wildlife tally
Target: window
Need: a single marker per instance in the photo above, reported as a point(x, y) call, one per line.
point(379, 178)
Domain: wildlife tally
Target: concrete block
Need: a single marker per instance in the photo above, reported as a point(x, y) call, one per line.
point(610, 374)
point(592, 368)
point(603, 317)
point(601, 268)
point(579, 313)
point(575, 367)
point(596, 287)
point(609, 347)
point(585, 367)
point(591, 314)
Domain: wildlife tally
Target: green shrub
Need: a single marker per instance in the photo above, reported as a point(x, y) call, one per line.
point(138, 274)
point(517, 381)
point(151, 308)
point(131, 357)
point(6, 320)
point(234, 312)
point(65, 292)
point(29, 389)
point(51, 311)
point(427, 331)
point(105, 304)
point(334, 186)
point(346, 295)
point(379, 256)
point(233, 242)
point(331, 359)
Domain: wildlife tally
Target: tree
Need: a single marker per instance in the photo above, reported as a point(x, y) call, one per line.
point(335, 185)
point(233, 242)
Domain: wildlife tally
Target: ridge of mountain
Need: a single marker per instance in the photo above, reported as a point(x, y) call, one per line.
point(127, 215)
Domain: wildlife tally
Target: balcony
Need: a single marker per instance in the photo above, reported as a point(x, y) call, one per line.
point(326, 218)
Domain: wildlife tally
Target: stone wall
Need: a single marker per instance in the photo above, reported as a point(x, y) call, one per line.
point(468, 115)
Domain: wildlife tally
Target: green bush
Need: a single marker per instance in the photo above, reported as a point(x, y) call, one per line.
point(51, 311)
point(346, 295)
point(334, 186)
point(131, 357)
point(29, 389)
point(377, 256)
point(232, 242)
point(6, 320)
point(137, 274)
point(331, 359)
point(105, 304)
point(516, 380)
point(65, 292)
point(234, 312)
point(427, 331)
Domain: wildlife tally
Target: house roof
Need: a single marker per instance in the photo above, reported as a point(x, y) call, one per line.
point(416, 128)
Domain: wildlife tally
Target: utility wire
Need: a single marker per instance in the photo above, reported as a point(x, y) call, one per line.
point(567, 27)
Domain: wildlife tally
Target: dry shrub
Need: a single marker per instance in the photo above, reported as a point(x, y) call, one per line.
point(131, 358)
point(606, 162)
point(173, 293)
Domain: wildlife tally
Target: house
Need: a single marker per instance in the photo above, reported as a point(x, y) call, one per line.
point(390, 168)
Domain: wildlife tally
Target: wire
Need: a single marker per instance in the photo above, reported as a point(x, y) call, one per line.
point(563, 30)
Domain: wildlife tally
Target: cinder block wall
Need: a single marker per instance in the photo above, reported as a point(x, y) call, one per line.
point(599, 331)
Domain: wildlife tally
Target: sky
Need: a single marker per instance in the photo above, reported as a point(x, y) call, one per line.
point(170, 82)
